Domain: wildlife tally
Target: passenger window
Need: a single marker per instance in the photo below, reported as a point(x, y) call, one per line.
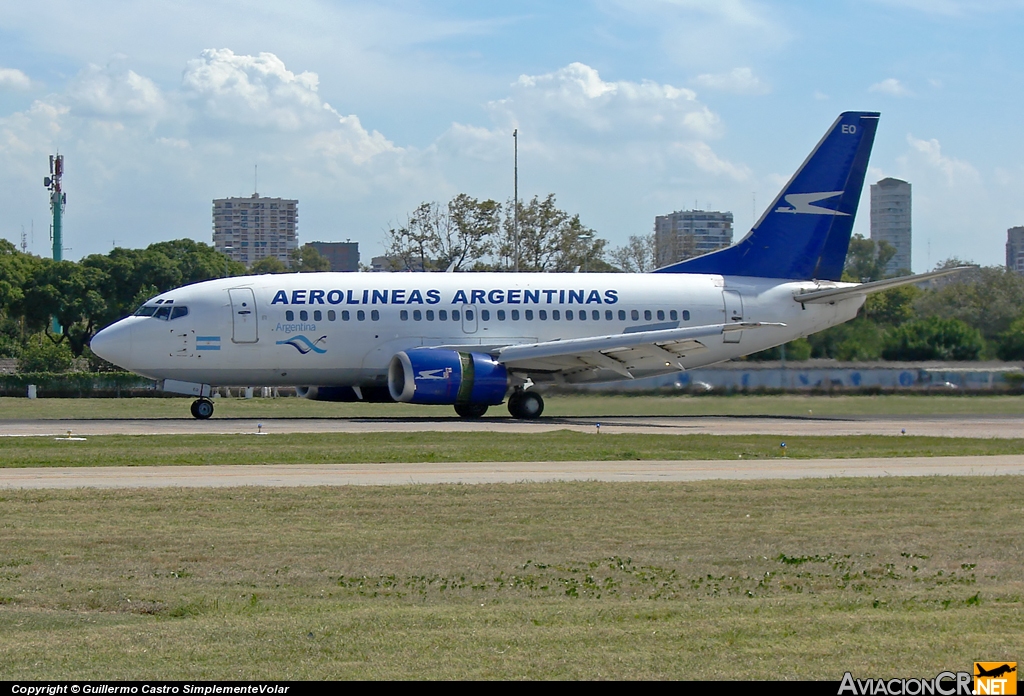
point(469, 315)
point(417, 315)
point(485, 314)
point(686, 315)
point(529, 315)
point(455, 315)
point(179, 311)
point(361, 315)
point(404, 315)
point(375, 315)
point(289, 315)
point(634, 315)
point(303, 315)
point(163, 313)
point(568, 315)
point(332, 315)
point(442, 315)
point(607, 315)
point(515, 315)
point(543, 314)
point(430, 315)
point(345, 316)
point(501, 315)
point(555, 316)
point(595, 315)
point(583, 315)
point(673, 315)
point(318, 315)
point(661, 315)
point(622, 315)
point(647, 315)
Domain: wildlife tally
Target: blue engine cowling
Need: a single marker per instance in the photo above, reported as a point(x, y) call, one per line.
point(430, 376)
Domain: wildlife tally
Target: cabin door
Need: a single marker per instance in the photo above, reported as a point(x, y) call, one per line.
point(243, 316)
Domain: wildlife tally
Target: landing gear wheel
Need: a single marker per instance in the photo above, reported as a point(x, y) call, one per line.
point(525, 405)
point(471, 410)
point(202, 409)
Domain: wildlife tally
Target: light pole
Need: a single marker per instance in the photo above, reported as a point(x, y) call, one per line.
point(515, 197)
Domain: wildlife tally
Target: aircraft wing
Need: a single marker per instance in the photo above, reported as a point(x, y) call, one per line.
point(621, 353)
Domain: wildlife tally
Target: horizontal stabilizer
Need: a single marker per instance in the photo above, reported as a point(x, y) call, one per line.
point(837, 294)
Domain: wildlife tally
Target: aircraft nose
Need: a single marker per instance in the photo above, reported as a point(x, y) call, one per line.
point(114, 344)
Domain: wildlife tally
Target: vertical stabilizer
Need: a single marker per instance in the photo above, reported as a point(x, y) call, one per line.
point(805, 233)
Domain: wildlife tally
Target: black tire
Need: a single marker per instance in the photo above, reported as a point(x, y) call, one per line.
point(471, 410)
point(202, 409)
point(526, 405)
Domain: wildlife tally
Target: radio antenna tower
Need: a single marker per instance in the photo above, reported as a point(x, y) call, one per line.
point(57, 201)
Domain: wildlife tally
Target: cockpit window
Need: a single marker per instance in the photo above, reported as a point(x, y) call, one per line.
point(179, 311)
point(146, 311)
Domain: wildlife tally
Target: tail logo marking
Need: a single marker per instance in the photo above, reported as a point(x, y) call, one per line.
point(803, 203)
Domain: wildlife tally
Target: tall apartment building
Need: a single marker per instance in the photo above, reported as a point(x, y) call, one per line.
point(686, 233)
point(254, 228)
point(344, 256)
point(1015, 250)
point(890, 220)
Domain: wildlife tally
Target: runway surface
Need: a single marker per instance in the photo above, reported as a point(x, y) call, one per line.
point(499, 472)
point(948, 426)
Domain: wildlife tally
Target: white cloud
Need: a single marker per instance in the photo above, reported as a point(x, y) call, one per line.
point(704, 157)
point(108, 91)
point(12, 78)
point(737, 81)
point(956, 172)
point(890, 86)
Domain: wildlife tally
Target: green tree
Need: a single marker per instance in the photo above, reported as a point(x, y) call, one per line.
point(637, 256)
point(459, 234)
point(799, 349)
point(307, 259)
point(268, 264)
point(866, 261)
point(860, 339)
point(988, 299)
point(71, 293)
point(43, 355)
point(549, 240)
point(933, 338)
point(1010, 345)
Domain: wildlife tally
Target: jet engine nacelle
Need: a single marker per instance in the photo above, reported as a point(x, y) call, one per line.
point(429, 376)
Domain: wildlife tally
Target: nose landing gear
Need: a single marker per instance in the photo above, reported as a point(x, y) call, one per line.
point(525, 405)
point(202, 409)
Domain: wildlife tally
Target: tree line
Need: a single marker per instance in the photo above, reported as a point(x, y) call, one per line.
point(977, 315)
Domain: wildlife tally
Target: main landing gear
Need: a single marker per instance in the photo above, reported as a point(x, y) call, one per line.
point(526, 405)
point(202, 409)
point(471, 410)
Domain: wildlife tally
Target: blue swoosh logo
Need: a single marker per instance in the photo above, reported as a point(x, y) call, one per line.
point(304, 345)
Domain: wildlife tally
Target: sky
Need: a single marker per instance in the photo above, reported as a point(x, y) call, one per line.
point(625, 110)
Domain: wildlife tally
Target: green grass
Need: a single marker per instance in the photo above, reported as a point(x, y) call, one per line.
point(562, 445)
point(556, 405)
point(763, 580)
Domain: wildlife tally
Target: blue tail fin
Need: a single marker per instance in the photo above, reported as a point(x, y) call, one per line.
point(805, 233)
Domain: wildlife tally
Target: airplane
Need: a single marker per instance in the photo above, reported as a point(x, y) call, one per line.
point(476, 340)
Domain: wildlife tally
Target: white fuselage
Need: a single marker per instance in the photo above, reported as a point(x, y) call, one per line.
point(344, 328)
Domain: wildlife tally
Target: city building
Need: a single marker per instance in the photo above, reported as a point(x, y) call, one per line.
point(1015, 250)
point(890, 221)
point(344, 256)
point(254, 228)
point(687, 233)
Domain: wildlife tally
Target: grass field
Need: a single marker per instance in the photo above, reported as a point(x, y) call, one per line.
point(563, 445)
point(556, 405)
point(794, 579)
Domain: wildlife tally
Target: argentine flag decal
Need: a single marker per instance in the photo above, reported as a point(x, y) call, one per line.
point(207, 342)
